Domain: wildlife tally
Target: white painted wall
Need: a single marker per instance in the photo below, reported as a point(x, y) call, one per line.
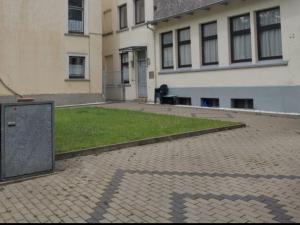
point(134, 36)
point(269, 76)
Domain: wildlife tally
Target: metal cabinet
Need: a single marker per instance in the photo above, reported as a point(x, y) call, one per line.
point(27, 139)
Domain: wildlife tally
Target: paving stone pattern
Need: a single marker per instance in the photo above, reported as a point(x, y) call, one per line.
point(244, 175)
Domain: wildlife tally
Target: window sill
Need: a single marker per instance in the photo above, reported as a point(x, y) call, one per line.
point(262, 64)
point(77, 80)
point(123, 30)
point(108, 34)
point(76, 35)
point(138, 25)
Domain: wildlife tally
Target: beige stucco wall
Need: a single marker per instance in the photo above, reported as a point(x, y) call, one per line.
point(268, 76)
point(34, 47)
point(135, 36)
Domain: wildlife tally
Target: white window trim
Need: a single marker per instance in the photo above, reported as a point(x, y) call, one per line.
point(86, 68)
point(86, 17)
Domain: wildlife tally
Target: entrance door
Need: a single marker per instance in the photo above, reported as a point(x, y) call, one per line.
point(142, 74)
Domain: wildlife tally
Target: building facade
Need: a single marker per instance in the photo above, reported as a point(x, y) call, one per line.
point(51, 50)
point(231, 54)
point(127, 49)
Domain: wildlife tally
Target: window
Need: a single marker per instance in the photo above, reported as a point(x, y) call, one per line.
point(167, 50)
point(210, 102)
point(123, 16)
point(269, 34)
point(240, 39)
point(184, 101)
point(76, 16)
point(242, 103)
point(76, 67)
point(125, 68)
point(184, 48)
point(209, 44)
point(139, 11)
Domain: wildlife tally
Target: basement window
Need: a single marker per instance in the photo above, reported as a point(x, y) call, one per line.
point(184, 101)
point(242, 103)
point(210, 102)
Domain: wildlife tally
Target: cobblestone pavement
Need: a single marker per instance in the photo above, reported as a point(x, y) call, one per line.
point(244, 175)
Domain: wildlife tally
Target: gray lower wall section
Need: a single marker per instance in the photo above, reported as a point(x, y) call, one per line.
point(284, 99)
point(60, 99)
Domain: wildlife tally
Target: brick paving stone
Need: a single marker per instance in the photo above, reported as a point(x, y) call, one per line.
point(244, 175)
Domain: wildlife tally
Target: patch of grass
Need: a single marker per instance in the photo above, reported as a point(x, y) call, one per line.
point(80, 128)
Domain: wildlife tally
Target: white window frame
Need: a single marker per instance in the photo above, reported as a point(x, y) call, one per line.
point(86, 65)
point(86, 17)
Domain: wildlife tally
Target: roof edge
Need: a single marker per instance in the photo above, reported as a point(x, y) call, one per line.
point(189, 12)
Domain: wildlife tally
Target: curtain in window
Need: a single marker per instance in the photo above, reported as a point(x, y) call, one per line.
point(210, 43)
point(185, 48)
point(140, 11)
point(241, 39)
point(211, 51)
point(185, 54)
point(271, 43)
point(123, 17)
point(125, 68)
point(269, 17)
point(168, 57)
point(270, 33)
point(167, 47)
point(242, 47)
point(76, 14)
point(77, 67)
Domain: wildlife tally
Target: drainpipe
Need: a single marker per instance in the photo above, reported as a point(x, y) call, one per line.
point(154, 42)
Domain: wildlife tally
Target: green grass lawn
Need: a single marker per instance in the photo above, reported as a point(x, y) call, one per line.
point(81, 128)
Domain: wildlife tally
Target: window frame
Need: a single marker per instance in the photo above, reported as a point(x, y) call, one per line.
point(261, 29)
point(82, 9)
point(209, 38)
point(239, 33)
point(135, 13)
point(122, 66)
point(120, 18)
point(72, 76)
point(164, 46)
point(180, 43)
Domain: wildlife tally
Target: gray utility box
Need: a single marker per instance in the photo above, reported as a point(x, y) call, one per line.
point(27, 139)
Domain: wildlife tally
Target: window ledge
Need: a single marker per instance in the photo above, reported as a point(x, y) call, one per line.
point(138, 25)
point(271, 63)
point(123, 30)
point(108, 34)
point(77, 80)
point(76, 35)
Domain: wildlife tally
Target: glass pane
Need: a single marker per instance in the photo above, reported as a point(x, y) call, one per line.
point(269, 17)
point(76, 3)
point(184, 35)
point(242, 47)
point(140, 11)
point(125, 73)
point(168, 57)
point(125, 58)
point(168, 38)
point(241, 23)
point(211, 51)
point(210, 30)
point(75, 14)
point(271, 43)
point(123, 17)
point(185, 55)
point(77, 66)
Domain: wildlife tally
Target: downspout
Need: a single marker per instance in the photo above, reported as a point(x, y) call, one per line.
point(154, 42)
